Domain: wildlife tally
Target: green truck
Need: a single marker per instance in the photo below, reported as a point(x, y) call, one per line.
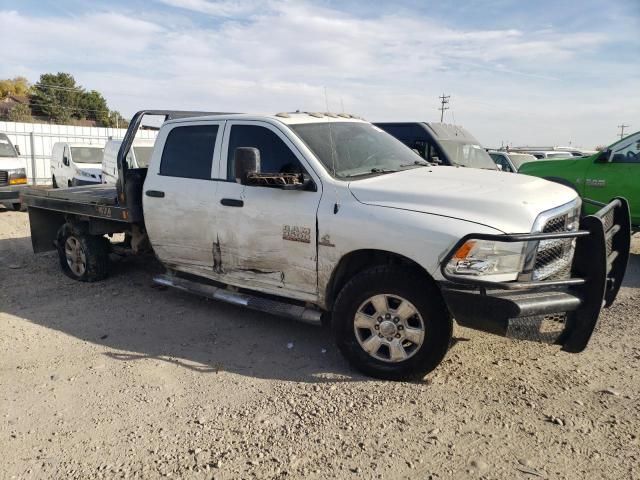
point(614, 172)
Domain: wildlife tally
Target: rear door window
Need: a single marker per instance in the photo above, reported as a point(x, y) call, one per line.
point(188, 152)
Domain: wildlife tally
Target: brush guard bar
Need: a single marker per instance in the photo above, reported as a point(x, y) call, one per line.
point(524, 309)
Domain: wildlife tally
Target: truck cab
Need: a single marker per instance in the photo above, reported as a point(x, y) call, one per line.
point(12, 173)
point(75, 164)
point(441, 143)
point(326, 218)
point(603, 176)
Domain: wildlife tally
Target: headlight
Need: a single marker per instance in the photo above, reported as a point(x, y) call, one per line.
point(488, 258)
point(17, 176)
point(82, 173)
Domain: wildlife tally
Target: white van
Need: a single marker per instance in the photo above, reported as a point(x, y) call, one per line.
point(74, 164)
point(138, 157)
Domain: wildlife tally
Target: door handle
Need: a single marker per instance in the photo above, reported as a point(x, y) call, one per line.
point(232, 202)
point(154, 193)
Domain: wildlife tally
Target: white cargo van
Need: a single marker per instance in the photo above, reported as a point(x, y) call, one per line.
point(74, 164)
point(138, 157)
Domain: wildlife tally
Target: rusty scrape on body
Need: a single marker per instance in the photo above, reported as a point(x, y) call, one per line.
point(325, 241)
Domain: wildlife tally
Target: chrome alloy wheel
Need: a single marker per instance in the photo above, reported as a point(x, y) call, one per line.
point(76, 259)
point(389, 328)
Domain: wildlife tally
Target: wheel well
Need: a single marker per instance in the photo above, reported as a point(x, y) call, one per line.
point(360, 260)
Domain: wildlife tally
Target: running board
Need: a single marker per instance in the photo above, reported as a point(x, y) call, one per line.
point(283, 309)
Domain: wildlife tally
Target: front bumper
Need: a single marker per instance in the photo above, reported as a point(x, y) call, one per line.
point(80, 182)
point(563, 312)
point(11, 194)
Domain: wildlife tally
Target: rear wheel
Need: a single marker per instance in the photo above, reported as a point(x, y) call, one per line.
point(392, 324)
point(16, 206)
point(83, 257)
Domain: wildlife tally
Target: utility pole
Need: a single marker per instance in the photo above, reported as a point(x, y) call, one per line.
point(444, 100)
point(622, 127)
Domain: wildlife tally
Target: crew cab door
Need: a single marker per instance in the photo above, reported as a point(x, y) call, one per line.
point(266, 236)
point(617, 177)
point(179, 195)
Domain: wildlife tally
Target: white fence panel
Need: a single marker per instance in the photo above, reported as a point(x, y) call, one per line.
point(35, 141)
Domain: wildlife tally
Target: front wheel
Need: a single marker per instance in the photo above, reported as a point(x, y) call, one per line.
point(391, 323)
point(82, 257)
point(16, 206)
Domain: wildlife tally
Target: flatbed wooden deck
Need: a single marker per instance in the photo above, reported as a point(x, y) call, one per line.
point(99, 201)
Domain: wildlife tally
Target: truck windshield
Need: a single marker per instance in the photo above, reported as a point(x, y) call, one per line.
point(86, 154)
point(467, 155)
point(6, 149)
point(354, 149)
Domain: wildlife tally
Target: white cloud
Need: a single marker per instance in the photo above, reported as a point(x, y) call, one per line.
point(506, 84)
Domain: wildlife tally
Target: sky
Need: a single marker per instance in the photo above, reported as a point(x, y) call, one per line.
point(517, 72)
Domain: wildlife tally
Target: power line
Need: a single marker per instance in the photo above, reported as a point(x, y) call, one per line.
point(444, 100)
point(622, 127)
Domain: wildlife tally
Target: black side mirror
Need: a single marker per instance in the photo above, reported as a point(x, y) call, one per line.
point(604, 157)
point(246, 161)
point(17, 147)
point(65, 160)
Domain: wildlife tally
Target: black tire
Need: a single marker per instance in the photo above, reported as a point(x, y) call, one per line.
point(95, 250)
point(422, 293)
point(54, 184)
point(17, 206)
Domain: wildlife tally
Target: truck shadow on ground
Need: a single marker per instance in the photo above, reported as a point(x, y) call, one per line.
point(136, 321)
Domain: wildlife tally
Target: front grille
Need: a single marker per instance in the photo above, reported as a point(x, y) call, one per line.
point(554, 257)
point(4, 177)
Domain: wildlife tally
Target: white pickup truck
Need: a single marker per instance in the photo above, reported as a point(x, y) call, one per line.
point(13, 176)
point(325, 217)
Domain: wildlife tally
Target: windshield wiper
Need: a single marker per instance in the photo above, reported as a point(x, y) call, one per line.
point(417, 163)
point(373, 170)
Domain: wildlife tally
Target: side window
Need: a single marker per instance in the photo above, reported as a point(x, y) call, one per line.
point(188, 152)
point(500, 160)
point(627, 151)
point(275, 155)
point(413, 136)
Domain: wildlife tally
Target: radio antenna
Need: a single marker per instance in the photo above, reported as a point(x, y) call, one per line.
point(332, 144)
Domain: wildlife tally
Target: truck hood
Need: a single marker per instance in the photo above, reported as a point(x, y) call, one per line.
point(95, 168)
point(9, 163)
point(504, 201)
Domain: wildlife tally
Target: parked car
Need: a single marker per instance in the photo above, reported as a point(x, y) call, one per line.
point(138, 157)
point(569, 151)
point(13, 174)
point(441, 143)
point(612, 173)
point(320, 217)
point(508, 161)
point(74, 164)
point(546, 154)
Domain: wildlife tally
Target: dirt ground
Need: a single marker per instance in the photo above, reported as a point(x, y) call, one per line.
point(122, 380)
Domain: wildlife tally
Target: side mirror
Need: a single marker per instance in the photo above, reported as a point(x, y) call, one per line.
point(499, 167)
point(65, 160)
point(604, 157)
point(246, 161)
point(17, 147)
point(436, 160)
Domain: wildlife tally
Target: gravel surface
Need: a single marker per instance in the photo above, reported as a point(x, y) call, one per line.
point(122, 380)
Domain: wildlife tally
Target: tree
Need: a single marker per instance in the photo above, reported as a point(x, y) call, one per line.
point(117, 120)
point(20, 113)
point(19, 86)
point(93, 106)
point(56, 96)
